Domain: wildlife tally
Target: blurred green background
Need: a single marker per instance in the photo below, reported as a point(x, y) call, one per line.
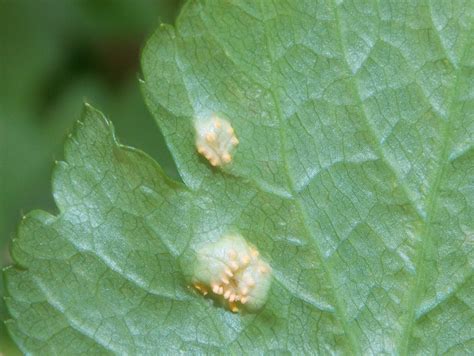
point(54, 56)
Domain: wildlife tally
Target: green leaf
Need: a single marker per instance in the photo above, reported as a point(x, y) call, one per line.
point(353, 177)
point(61, 61)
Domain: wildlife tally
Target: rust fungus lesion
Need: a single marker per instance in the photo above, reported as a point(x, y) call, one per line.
point(234, 272)
point(215, 140)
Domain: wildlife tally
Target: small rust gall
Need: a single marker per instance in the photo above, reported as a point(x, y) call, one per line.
point(215, 140)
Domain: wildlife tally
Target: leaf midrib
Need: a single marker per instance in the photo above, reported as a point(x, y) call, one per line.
point(339, 309)
point(425, 238)
point(338, 306)
point(431, 206)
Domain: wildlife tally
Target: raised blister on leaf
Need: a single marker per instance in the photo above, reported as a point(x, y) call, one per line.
point(215, 140)
point(233, 271)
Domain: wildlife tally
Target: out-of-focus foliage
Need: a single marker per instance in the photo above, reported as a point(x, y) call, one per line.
point(54, 55)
